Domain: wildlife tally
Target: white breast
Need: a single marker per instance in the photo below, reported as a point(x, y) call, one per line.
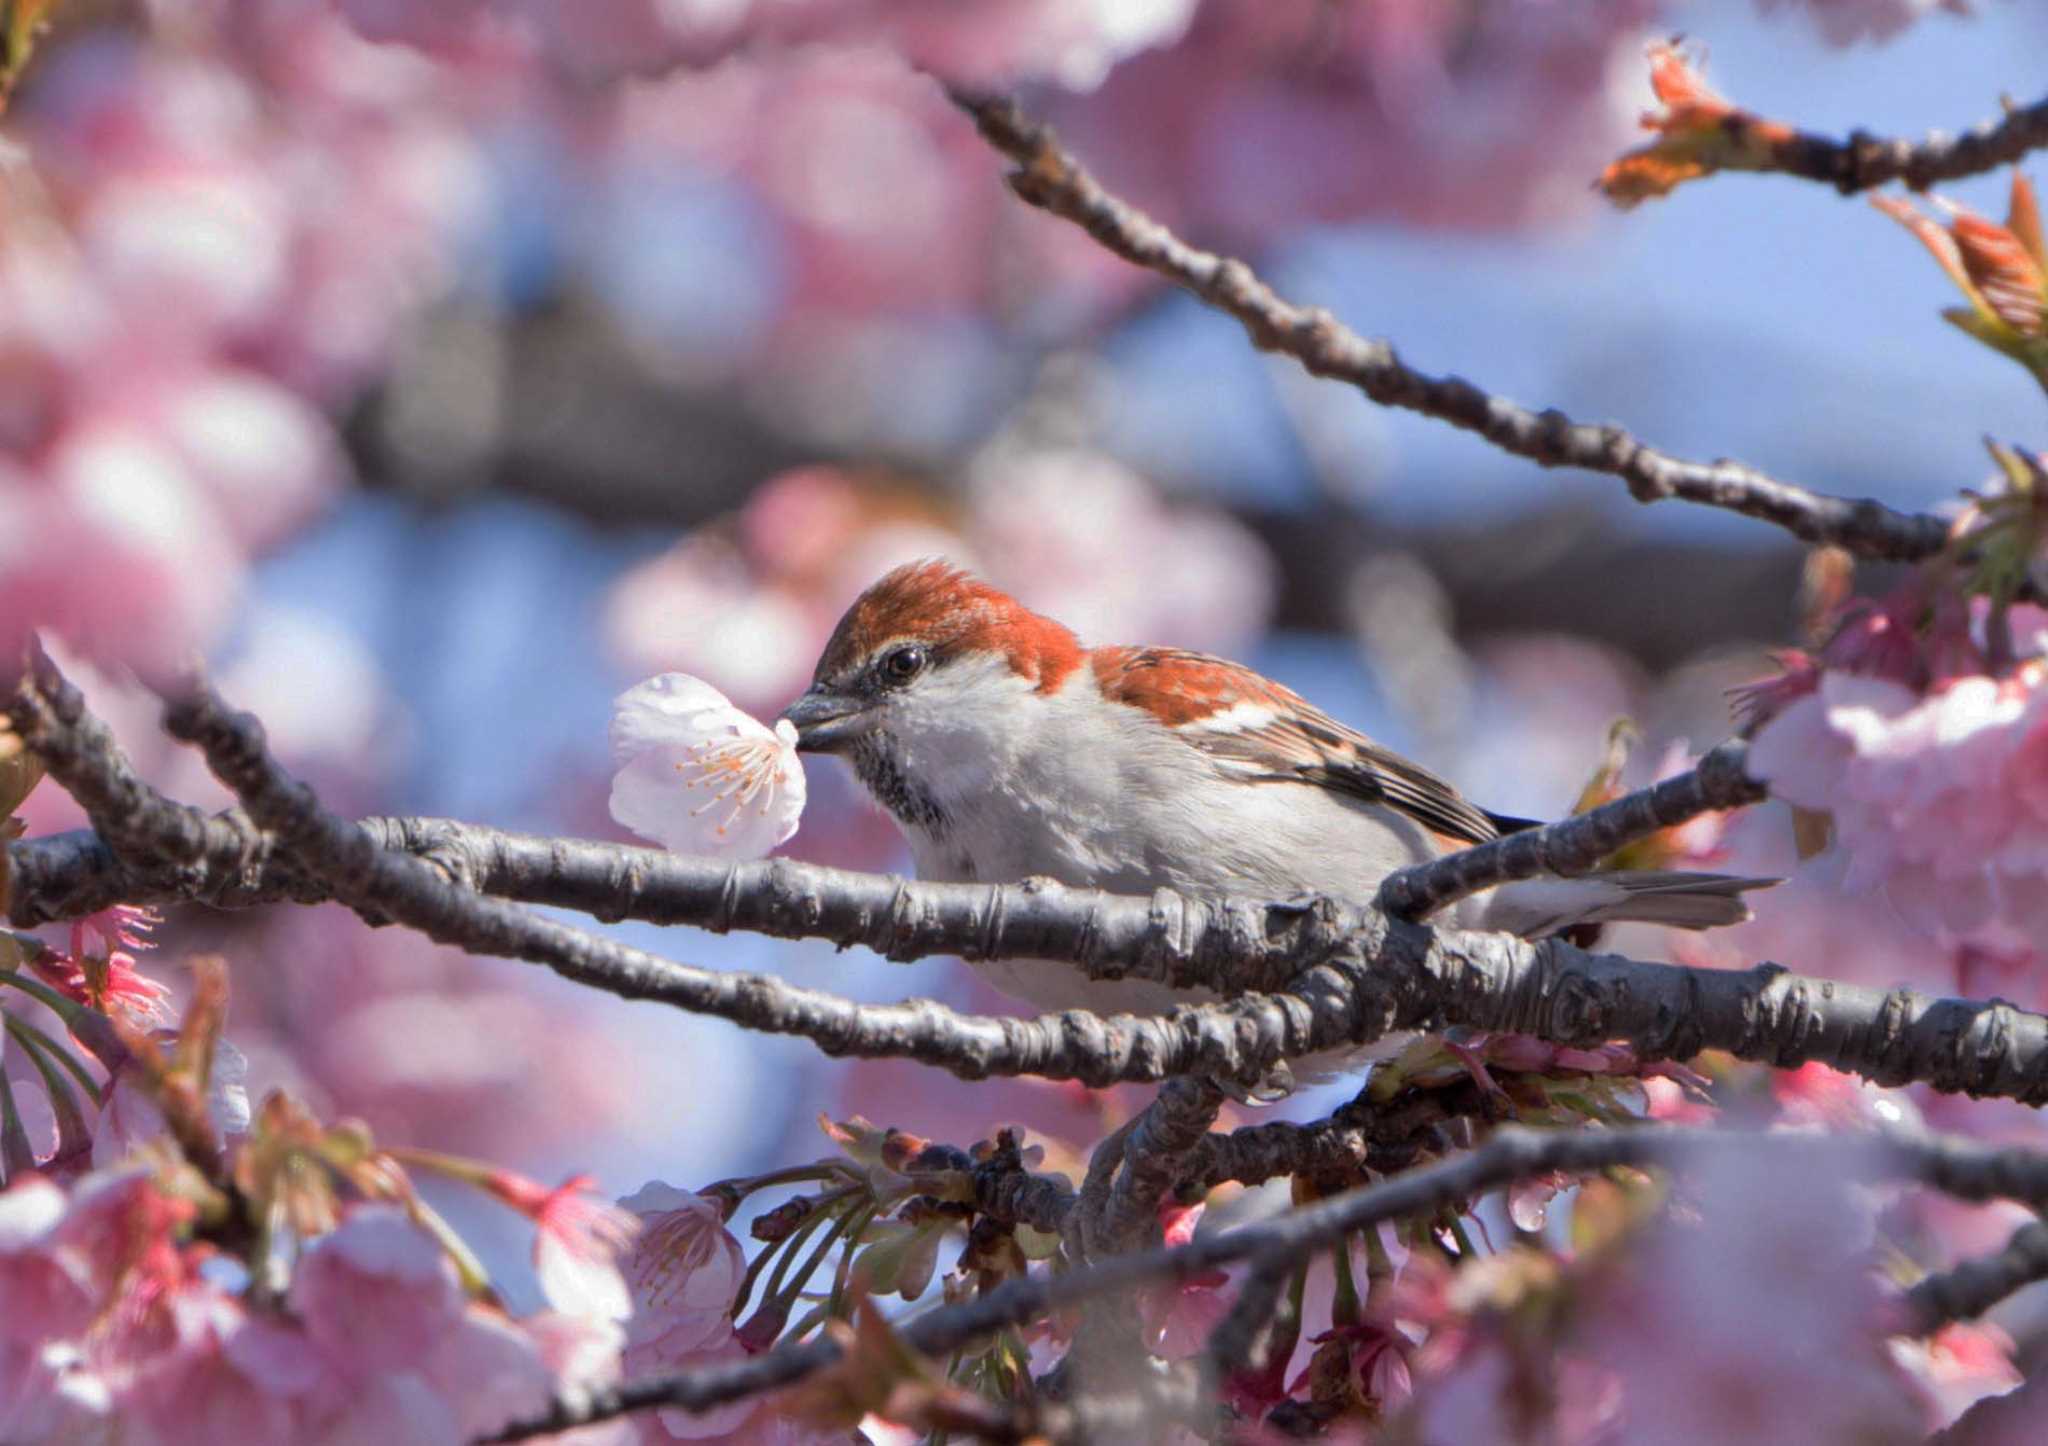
point(1139, 811)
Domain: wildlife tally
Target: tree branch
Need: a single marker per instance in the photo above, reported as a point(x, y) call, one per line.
point(1053, 180)
point(1155, 1154)
point(1218, 945)
point(1376, 976)
point(1864, 162)
point(1358, 1136)
point(1575, 844)
point(1975, 1286)
point(146, 846)
point(1962, 1168)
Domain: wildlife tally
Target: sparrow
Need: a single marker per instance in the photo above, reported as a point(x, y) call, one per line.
point(1007, 750)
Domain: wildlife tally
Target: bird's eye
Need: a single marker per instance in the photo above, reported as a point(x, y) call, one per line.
point(900, 665)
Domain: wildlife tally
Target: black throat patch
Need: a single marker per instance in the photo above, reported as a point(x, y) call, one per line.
point(877, 768)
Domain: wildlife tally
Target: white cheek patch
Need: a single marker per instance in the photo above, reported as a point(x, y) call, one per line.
point(1237, 718)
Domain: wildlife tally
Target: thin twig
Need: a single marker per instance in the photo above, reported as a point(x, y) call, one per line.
point(1359, 1136)
point(152, 845)
point(1962, 1168)
point(1575, 844)
point(1232, 1342)
point(1975, 1286)
point(1051, 179)
point(1864, 161)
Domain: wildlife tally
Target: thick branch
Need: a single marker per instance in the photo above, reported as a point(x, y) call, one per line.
point(1965, 1169)
point(1053, 180)
point(1241, 1037)
point(1379, 976)
point(1577, 843)
point(1218, 945)
point(1154, 1157)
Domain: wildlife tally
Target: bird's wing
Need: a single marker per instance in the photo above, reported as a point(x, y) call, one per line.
point(1255, 727)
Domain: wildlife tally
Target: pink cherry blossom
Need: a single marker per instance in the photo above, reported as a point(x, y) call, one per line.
point(46, 1287)
point(376, 1266)
point(1956, 1367)
point(48, 1393)
point(582, 1353)
point(683, 1270)
point(1179, 1316)
point(577, 1244)
point(699, 776)
point(1816, 1097)
point(124, 1230)
point(488, 1369)
point(1071, 41)
point(1767, 1292)
point(99, 967)
point(1929, 795)
point(1438, 111)
point(208, 1369)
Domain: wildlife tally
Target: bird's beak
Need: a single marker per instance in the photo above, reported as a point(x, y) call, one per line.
point(826, 722)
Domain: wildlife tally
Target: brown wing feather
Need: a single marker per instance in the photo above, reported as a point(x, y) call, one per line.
point(1298, 743)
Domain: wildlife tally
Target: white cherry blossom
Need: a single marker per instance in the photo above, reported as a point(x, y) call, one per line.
point(697, 775)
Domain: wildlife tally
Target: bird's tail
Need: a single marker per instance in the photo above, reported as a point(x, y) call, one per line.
point(1535, 908)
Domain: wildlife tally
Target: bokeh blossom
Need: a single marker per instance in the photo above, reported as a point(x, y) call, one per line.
point(1935, 801)
point(239, 235)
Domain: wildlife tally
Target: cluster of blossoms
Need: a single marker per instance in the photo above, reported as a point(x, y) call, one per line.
point(220, 222)
point(122, 1322)
point(207, 249)
point(1928, 773)
point(179, 1269)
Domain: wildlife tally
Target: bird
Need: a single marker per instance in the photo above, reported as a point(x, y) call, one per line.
point(1006, 750)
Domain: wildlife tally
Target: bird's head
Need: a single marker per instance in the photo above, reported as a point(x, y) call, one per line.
point(928, 652)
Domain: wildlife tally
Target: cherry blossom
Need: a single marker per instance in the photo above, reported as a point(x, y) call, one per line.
point(99, 967)
point(47, 1393)
point(1767, 1284)
point(1957, 1366)
point(46, 1288)
point(1179, 1316)
point(699, 776)
point(1930, 796)
point(684, 1269)
point(1072, 41)
point(377, 1266)
point(577, 1244)
point(211, 1370)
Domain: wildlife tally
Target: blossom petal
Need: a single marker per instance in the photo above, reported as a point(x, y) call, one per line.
point(697, 775)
